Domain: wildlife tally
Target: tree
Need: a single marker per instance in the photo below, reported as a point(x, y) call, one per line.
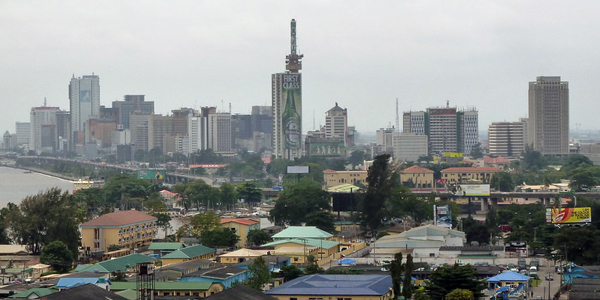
point(112, 247)
point(220, 237)
point(582, 250)
point(460, 294)
point(58, 255)
point(312, 267)
point(228, 195)
point(302, 203)
point(397, 271)
point(44, 218)
point(420, 294)
point(476, 151)
point(205, 222)
point(502, 181)
point(533, 159)
point(290, 272)
point(357, 157)
point(380, 184)
point(259, 274)
point(257, 237)
point(407, 287)
point(249, 193)
point(448, 278)
point(404, 204)
point(164, 221)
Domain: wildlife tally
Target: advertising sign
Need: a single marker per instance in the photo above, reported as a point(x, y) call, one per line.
point(85, 96)
point(453, 154)
point(443, 215)
point(291, 115)
point(324, 149)
point(298, 169)
point(571, 215)
point(151, 174)
point(473, 190)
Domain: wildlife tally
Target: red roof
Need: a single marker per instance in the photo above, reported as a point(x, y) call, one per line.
point(495, 160)
point(471, 169)
point(120, 218)
point(416, 169)
point(239, 221)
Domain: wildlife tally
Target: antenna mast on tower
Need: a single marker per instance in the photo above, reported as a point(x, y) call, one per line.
point(397, 119)
point(293, 61)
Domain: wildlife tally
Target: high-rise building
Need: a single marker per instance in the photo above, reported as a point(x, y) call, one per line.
point(43, 135)
point(548, 126)
point(84, 97)
point(130, 104)
point(219, 136)
point(447, 129)
point(336, 123)
point(23, 130)
point(287, 105)
point(506, 138)
point(409, 146)
point(385, 139)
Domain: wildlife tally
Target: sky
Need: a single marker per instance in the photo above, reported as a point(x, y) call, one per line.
point(361, 54)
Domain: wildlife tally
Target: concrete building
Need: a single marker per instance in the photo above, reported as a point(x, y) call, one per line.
point(468, 174)
point(219, 132)
point(336, 123)
point(23, 131)
point(139, 123)
point(415, 122)
point(286, 92)
point(84, 98)
point(506, 138)
point(43, 137)
point(417, 177)
point(126, 229)
point(549, 115)
point(130, 104)
point(241, 227)
point(385, 139)
point(421, 242)
point(409, 146)
point(333, 178)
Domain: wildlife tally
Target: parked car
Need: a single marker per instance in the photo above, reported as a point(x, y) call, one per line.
point(549, 277)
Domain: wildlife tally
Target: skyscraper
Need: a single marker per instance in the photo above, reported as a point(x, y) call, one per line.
point(548, 125)
point(130, 104)
point(43, 136)
point(287, 105)
point(336, 123)
point(507, 138)
point(84, 97)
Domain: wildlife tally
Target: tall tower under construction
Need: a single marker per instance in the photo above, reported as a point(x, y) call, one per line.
point(286, 93)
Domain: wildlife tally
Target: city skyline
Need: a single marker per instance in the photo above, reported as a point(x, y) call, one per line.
point(362, 56)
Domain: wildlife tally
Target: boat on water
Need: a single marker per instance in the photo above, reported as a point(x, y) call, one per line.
point(87, 183)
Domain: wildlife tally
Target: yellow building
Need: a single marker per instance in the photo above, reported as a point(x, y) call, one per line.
point(188, 253)
point(241, 227)
point(241, 255)
point(300, 249)
point(417, 177)
point(126, 229)
point(468, 174)
point(338, 286)
point(340, 177)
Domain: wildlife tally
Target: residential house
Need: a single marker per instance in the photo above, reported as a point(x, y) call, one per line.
point(333, 177)
point(240, 292)
point(127, 229)
point(189, 253)
point(417, 177)
point(302, 232)
point(240, 255)
point(300, 249)
point(175, 288)
point(86, 291)
point(126, 263)
point(162, 249)
point(227, 276)
point(189, 266)
point(322, 286)
point(468, 174)
point(423, 241)
point(241, 227)
point(67, 283)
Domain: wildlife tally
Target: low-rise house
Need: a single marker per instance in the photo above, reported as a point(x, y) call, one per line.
point(127, 229)
point(240, 255)
point(423, 241)
point(486, 254)
point(67, 283)
point(273, 262)
point(302, 232)
point(241, 227)
point(300, 249)
point(227, 276)
point(187, 267)
point(34, 293)
point(333, 177)
point(321, 286)
point(126, 263)
point(175, 288)
point(468, 174)
point(240, 292)
point(86, 291)
point(189, 253)
point(417, 177)
point(162, 249)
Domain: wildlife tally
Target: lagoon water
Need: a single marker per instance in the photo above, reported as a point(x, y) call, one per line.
point(15, 185)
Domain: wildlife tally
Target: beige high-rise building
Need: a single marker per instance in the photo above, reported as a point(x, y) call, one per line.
point(548, 125)
point(506, 138)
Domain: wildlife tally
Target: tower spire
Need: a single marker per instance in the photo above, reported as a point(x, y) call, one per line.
point(293, 61)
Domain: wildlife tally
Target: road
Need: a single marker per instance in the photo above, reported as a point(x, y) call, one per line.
point(545, 285)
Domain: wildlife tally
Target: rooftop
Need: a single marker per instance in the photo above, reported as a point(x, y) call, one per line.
point(335, 285)
point(416, 169)
point(165, 246)
point(190, 252)
point(240, 221)
point(217, 272)
point(120, 218)
point(302, 232)
point(308, 242)
point(117, 264)
point(471, 169)
point(240, 292)
point(165, 286)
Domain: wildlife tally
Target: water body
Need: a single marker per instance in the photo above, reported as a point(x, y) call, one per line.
point(15, 185)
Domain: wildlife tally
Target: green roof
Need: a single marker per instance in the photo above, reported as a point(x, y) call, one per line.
point(117, 264)
point(129, 294)
point(190, 252)
point(40, 292)
point(309, 242)
point(309, 232)
point(165, 246)
point(164, 286)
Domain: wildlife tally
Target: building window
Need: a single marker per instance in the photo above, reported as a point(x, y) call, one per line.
point(431, 254)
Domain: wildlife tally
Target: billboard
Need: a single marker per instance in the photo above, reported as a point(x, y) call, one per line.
point(453, 154)
point(472, 190)
point(571, 215)
point(291, 112)
point(325, 149)
point(298, 169)
point(151, 174)
point(443, 215)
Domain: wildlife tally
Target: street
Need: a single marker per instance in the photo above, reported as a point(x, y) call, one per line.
point(545, 285)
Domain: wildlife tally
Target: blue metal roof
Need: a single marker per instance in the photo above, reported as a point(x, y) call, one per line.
point(509, 276)
point(73, 282)
point(338, 284)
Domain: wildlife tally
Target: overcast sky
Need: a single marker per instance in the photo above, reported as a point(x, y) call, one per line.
point(361, 54)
